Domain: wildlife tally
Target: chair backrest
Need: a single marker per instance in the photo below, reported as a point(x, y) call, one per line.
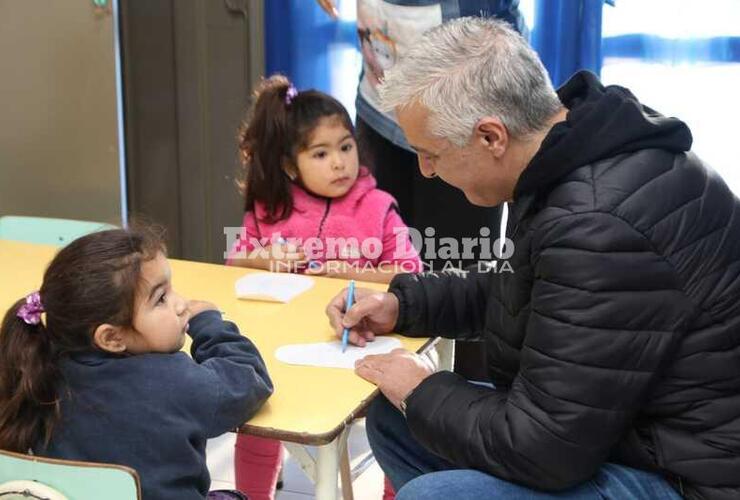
point(46, 230)
point(69, 480)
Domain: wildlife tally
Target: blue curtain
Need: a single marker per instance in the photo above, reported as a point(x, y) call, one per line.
point(671, 50)
point(567, 36)
point(298, 35)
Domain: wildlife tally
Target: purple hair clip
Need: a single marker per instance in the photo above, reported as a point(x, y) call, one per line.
point(290, 94)
point(30, 312)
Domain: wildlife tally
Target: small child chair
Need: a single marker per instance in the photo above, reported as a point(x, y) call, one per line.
point(30, 477)
point(44, 230)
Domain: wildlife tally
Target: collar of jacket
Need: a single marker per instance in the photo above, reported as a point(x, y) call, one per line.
point(306, 202)
point(601, 122)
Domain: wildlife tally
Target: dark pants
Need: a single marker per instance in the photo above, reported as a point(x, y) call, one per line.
point(430, 203)
point(417, 473)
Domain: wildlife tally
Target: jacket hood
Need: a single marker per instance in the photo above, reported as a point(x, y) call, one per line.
point(602, 122)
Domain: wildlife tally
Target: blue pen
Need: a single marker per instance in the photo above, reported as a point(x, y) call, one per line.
point(350, 299)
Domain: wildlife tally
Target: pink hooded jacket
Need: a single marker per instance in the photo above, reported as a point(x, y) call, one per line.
point(362, 227)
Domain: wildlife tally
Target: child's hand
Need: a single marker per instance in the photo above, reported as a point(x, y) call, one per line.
point(316, 268)
point(286, 257)
point(198, 306)
point(327, 268)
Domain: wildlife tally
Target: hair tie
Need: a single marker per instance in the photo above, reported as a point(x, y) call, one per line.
point(290, 94)
point(30, 312)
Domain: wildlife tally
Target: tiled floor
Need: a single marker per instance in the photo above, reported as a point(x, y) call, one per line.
point(368, 486)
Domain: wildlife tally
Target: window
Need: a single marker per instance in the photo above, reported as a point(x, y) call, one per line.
point(682, 58)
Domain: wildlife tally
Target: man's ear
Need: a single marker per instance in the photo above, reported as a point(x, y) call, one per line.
point(492, 134)
point(110, 338)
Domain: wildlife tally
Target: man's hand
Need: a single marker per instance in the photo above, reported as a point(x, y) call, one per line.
point(285, 257)
point(329, 7)
point(396, 374)
point(373, 313)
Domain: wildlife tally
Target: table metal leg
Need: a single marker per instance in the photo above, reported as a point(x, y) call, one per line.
point(345, 467)
point(327, 471)
point(324, 469)
point(304, 459)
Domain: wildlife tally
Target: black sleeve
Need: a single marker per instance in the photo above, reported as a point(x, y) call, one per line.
point(607, 310)
point(449, 304)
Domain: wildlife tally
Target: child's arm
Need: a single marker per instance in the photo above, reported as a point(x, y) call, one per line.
point(276, 258)
point(248, 251)
point(398, 256)
point(382, 273)
point(397, 245)
point(239, 374)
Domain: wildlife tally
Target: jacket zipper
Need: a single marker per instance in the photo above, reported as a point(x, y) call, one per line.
point(323, 218)
point(522, 212)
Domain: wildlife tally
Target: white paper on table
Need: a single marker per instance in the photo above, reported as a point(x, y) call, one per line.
point(272, 287)
point(330, 355)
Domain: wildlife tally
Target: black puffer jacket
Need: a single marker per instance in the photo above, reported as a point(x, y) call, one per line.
point(617, 336)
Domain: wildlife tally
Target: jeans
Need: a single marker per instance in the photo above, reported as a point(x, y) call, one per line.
point(417, 473)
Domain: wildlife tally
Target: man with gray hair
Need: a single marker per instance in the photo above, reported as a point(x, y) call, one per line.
point(614, 346)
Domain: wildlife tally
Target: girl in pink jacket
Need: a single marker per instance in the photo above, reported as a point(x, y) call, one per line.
point(309, 208)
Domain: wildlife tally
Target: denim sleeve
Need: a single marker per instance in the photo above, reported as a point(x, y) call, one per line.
point(236, 368)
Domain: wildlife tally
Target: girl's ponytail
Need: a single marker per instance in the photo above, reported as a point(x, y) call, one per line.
point(28, 381)
point(279, 126)
point(266, 145)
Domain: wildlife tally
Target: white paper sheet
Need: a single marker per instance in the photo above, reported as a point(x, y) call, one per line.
point(272, 287)
point(330, 355)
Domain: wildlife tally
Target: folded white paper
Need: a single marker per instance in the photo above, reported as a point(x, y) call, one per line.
point(272, 287)
point(330, 355)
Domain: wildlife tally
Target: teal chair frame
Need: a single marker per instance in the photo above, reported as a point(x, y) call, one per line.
point(75, 480)
point(47, 231)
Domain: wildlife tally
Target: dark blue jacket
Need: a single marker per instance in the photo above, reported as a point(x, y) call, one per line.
point(154, 412)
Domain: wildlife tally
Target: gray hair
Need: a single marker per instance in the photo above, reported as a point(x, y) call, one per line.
point(469, 68)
